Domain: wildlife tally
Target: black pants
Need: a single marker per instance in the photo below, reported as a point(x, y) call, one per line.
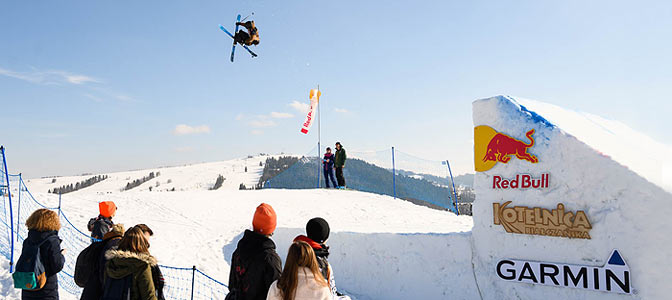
point(241, 37)
point(329, 175)
point(339, 176)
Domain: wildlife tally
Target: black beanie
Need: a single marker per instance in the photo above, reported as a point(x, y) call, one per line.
point(317, 230)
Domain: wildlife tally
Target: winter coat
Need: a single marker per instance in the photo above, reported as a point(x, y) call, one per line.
point(93, 290)
point(254, 267)
point(99, 226)
point(340, 157)
point(307, 288)
point(139, 265)
point(328, 161)
point(52, 259)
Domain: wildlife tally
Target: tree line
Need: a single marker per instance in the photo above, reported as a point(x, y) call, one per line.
point(78, 186)
point(138, 182)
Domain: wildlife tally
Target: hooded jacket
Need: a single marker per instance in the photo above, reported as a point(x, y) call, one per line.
point(52, 259)
point(124, 263)
point(254, 267)
point(340, 157)
point(307, 288)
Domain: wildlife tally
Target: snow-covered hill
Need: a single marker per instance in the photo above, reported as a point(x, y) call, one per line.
point(201, 227)
point(183, 178)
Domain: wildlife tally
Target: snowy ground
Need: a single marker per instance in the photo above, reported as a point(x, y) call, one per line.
point(196, 226)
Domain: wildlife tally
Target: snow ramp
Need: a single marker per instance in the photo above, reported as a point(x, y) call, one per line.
point(568, 205)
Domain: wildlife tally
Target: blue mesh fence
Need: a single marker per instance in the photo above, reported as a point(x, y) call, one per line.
point(181, 283)
point(387, 172)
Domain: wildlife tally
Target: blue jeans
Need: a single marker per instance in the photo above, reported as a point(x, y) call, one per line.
point(329, 174)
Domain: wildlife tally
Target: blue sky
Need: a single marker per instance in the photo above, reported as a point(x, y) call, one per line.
point(92, 86)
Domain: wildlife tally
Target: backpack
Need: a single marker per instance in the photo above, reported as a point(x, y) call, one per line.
point(30, 272)
point(88, 263)
point(117, 289)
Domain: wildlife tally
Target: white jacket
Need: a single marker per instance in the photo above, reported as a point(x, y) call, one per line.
point(307, 289)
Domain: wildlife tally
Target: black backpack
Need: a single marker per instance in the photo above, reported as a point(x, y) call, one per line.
point(87, 264)
point(117, 289)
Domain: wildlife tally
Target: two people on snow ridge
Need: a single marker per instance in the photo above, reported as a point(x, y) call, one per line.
point(334, 161)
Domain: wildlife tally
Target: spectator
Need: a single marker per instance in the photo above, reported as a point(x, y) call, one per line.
point(301, 279)
point(157, 276)
point(317, 230)
point(93, 290)
point(328, 162)
point(43, 226)
point(102, 224)
point(255, 264)
point(339, 164)
point(128, 271)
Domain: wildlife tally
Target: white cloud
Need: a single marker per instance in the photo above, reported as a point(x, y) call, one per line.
point(301, 107)
point(256, 132)
point(239, 117)
point(49, 77)
point(262, 123)
point(183, 129)
point(341, 110)
point(281, 115)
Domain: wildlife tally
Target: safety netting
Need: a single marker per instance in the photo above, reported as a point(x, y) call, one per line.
point(18, 203)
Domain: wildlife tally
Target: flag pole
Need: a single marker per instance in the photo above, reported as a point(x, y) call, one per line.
point(319, 136)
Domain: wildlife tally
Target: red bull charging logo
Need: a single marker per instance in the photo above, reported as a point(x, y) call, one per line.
point(491, 147)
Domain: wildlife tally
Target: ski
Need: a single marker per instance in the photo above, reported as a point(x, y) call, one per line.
point(233, 49)
point(231, 35)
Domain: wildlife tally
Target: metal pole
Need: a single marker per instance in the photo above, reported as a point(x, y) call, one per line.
point(11, 215)
point(59, 205)
point(457, 212)
point(319, 136)
point(394, 176)
point(193, 275)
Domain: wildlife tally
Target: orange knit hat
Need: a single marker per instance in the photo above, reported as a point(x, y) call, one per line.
point(264, 219)
point(107, 209)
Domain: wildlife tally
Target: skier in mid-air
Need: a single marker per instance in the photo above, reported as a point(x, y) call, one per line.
point(249, 38)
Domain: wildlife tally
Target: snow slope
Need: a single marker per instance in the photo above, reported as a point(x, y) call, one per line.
point(182, 178)
point(196, 226)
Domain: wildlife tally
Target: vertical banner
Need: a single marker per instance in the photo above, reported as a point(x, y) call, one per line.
point(314, 101)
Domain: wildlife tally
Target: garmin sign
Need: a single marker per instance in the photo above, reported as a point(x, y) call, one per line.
point(613, 277)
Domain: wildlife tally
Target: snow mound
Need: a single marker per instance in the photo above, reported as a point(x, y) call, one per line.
point(596, 166)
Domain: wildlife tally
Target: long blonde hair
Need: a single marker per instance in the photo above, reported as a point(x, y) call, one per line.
point(300, 255)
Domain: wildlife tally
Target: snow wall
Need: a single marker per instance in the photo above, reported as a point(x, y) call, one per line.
point(397, 266)
point(601, 173)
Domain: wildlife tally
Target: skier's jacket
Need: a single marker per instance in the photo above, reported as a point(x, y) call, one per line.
point(340, 157)
point(93, 290)
point(328, 161)
point(51, 258)
point(322, 255)
point(99, 226)
point(254, 267)
point(121, 264)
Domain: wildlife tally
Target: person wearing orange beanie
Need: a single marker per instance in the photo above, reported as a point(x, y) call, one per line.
point(102, 224)
point(255, 264)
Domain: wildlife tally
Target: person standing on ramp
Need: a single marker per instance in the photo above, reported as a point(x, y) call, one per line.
point(339, 164)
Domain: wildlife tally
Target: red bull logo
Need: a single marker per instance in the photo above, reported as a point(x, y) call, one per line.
point(491, 147)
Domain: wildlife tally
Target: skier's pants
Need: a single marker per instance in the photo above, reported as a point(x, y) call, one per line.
point(339, 176)
point(329, 175)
